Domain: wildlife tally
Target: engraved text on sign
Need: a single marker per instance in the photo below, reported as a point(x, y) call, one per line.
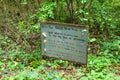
point(64, 42)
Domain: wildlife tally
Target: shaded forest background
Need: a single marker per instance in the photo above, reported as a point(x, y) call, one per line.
point(20, 20)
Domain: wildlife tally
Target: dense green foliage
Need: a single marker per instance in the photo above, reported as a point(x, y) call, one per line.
point(20, 57)
point(21, 66)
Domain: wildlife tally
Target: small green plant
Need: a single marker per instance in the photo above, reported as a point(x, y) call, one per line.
point(45, 11)
point(112, 48)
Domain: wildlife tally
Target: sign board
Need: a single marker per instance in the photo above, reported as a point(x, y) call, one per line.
point(64, 41)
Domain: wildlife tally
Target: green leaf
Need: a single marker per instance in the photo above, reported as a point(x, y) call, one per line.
point(117, 78)
point(84, 78)
point(92, 39)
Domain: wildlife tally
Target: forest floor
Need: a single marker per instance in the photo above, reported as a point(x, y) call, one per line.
point(21, 66)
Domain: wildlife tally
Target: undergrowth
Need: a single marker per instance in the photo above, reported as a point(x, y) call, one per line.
point(30, 66)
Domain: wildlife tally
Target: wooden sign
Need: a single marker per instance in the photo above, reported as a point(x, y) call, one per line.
point(64, 41)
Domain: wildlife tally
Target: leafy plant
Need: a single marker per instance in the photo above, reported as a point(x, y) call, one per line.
point(45, 11)
point(112, 48)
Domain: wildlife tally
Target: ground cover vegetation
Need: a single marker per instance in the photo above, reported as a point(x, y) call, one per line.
point(20, 54)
